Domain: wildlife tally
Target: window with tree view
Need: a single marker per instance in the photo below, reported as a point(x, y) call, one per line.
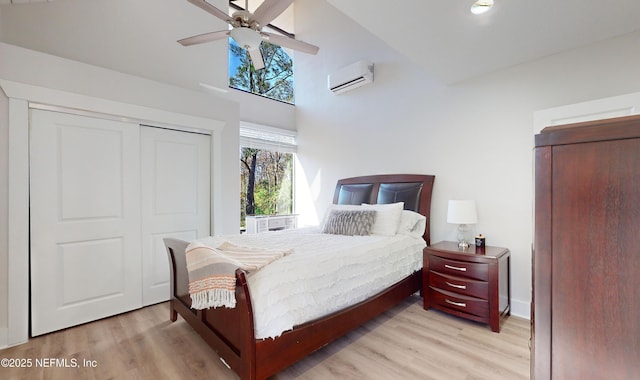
point(266, 173)
point(274, 81)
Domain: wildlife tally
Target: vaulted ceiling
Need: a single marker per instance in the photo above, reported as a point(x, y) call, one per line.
point(440, 36)
point(451, 44)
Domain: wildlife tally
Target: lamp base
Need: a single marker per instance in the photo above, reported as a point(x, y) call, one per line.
point(462, 236)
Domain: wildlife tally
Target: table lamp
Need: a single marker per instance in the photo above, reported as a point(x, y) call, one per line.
point(462, 213)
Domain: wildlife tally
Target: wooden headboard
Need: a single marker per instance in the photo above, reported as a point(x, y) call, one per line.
point(412, 189)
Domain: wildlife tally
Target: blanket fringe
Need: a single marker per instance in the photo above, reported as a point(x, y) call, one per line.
point(213, 298)
point(212, 277)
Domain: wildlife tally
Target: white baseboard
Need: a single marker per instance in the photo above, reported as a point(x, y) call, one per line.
point(521, 309)
point(4, 337)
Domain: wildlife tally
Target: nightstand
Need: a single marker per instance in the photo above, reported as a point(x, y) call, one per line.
point(471, 283)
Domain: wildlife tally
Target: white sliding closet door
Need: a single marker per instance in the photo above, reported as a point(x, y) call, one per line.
point(85, 219)
point(175, 203)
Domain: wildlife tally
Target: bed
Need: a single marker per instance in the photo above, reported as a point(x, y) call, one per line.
point(231, 332)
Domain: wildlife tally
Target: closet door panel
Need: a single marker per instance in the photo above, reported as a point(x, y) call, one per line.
point(175, 200)
point(596, 217)
point(85, 219)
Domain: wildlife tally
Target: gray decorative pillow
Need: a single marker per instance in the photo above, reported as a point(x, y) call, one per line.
point(350, 222)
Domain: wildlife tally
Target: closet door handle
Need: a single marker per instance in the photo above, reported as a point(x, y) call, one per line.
point(455, 285)
point(459, 304)
point(462, 269)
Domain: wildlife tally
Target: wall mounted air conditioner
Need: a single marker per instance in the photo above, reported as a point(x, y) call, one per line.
point(350, 77)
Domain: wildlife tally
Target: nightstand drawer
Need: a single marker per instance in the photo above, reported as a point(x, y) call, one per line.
point(478, 271)
point(464, 286)
point(468, 305)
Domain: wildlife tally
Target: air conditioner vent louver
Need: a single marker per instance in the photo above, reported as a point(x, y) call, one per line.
point(350, 77)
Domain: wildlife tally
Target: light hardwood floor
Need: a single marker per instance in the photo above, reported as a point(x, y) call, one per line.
point(406, 342)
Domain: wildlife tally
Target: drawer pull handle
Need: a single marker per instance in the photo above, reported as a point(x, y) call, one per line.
point(455, 285)
point(459, 304)
point(455, 268)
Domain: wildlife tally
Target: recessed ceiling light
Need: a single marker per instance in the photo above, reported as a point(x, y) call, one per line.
point(481, 6)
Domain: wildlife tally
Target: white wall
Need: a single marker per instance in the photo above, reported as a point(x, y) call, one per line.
point(260, 110)
point(4, 206)
point(138, 37)
point(475, 136)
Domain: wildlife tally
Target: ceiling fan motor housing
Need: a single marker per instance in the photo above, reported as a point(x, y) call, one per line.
point(244, 19)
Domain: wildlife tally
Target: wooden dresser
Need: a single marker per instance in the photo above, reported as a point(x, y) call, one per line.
point(262, 223)
point(586, 258)
point(471, 283)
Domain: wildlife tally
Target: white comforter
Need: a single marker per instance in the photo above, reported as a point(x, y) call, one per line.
point(324, 274)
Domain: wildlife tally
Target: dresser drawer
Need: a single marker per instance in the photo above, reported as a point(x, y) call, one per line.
point(277, 223)
point(450, 301)
point(460, 285)
point(262, 225)
point(478, 271)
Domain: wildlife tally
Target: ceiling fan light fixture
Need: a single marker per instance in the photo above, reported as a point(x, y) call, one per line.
point(481, 6)
point(246, 37)
point(246, 28)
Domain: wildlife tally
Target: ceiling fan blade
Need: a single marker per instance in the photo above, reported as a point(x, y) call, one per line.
point(256, 58)
point(269, 10)
point(211, 9)
point(205, 37)
point(290, 43)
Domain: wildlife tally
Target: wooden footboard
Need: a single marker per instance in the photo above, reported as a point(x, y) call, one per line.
point(230, 332)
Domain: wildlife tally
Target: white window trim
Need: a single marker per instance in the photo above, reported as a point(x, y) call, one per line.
point(260, 136)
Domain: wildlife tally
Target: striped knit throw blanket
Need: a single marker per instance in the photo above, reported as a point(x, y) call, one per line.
point(212, 271)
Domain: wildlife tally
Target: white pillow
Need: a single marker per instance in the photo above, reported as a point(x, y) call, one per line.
point(387, 218)
point(412, 224)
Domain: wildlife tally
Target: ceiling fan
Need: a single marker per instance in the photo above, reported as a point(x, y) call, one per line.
point(247, 29)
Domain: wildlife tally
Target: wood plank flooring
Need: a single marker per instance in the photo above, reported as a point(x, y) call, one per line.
point(406, 342)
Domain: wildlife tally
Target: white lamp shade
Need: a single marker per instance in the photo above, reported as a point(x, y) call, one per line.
point(462, 212)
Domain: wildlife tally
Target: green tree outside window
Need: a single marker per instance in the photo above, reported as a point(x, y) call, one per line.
point(266, 182)
point(274, 81)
